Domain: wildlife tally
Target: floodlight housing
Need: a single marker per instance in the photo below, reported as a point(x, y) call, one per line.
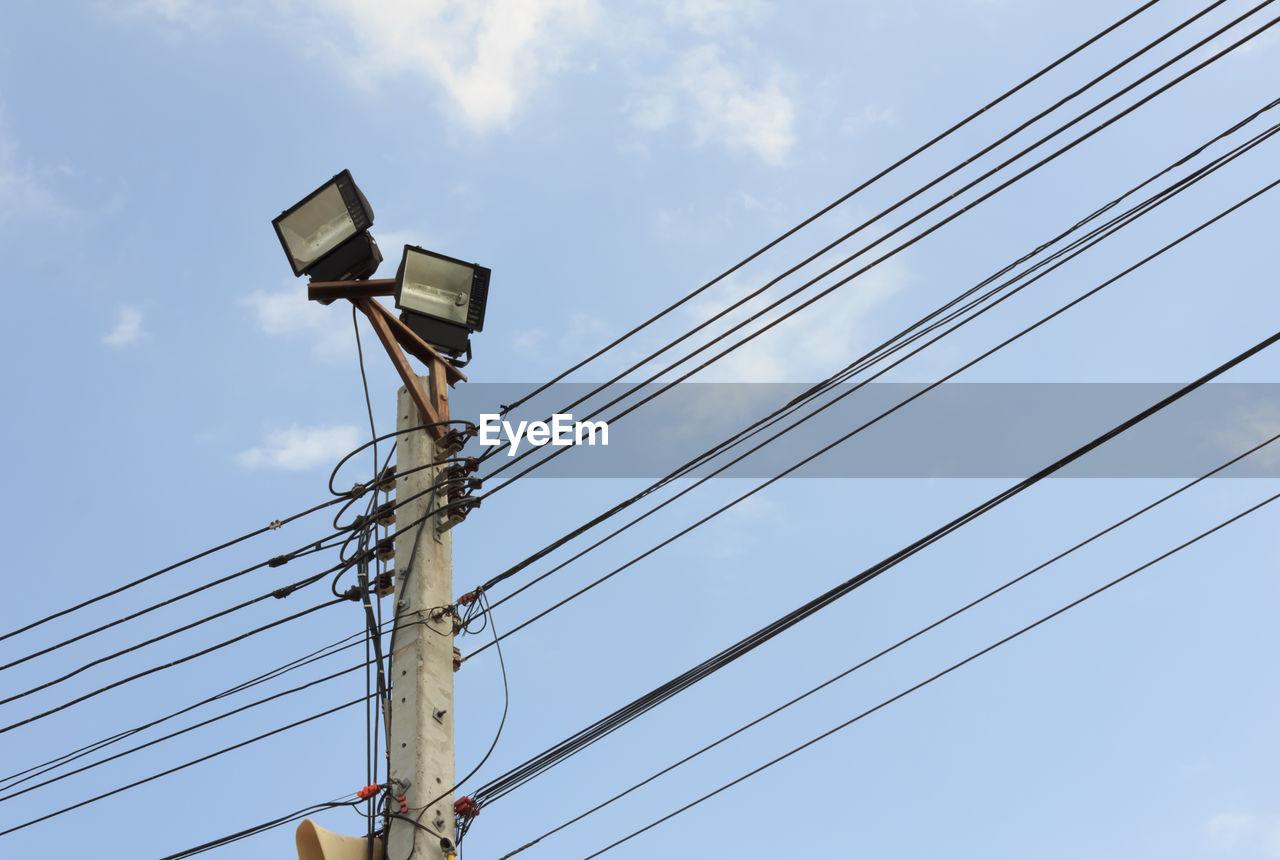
point(441, 298)
point(326, 234)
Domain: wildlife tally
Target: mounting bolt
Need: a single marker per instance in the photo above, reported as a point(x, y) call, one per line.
point(402, 604)
point(438, 714)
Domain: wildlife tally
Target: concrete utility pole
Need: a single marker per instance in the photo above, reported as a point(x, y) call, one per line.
point(422, 651)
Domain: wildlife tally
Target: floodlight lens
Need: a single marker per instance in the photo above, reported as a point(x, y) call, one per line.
point(317, 227)
point(436, 287)
point(324, 221)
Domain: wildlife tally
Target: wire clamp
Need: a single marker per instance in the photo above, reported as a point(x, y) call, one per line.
point(274, 524)
point(466, 808)
point(457, 659)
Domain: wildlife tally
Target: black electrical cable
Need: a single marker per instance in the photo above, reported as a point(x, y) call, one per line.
point(841, 282)
point(882, 415)
point(890, 346)
point(257, 829)
point(293, 665)
point(506, 704)
point(536, 765)
point(83, 803)
point(829, 207)
point(470, 431)
point(184, 731)
point(899, 228)
point(945, 672)
point(68, 610)
point(895, 646)
point(283, 591)
point(168, 665)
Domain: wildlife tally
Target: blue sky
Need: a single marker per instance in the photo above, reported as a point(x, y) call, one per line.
point(169, 387)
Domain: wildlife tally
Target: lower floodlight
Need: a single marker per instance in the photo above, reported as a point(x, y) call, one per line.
point(441, 299)
point(326, 234)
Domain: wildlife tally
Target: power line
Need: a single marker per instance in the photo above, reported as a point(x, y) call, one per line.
point(894, 344)
point(92, 600)
point(899, 248)
point(59, 811)
point(283, 591)
point(185, 730)
point(889, 411)
point(583, 738)
point(293, 665)
point(168, 665)
point(941, 674)
point(259, 828)
point(895, 646)
point(829, 207)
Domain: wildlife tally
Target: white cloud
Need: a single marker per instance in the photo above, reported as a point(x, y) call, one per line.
point(870, 116)
point(127, 330)
point(488, 56)
point(715, 100)
point(1243, 834)
point(716, 16)
point(297, 448)
point(22, 190)
point(288, 313)
point(810, 345)
point(1249, 427)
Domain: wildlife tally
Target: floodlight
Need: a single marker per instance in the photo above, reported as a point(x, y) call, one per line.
point(441, 299)
point(326, 235)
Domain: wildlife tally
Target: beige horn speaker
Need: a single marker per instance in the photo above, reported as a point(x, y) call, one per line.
point(316, 843)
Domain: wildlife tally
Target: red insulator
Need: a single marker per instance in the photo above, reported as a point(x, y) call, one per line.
point(404, 804)
point(465, 807)
point(367, 792)
point(467, 599)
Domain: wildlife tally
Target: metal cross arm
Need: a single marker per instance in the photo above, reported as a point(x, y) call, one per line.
point(393, 334)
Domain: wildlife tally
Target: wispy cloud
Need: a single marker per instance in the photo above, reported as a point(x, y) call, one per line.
point(810, 345)
point(23, 191)
point(127, 330)
point(1243, 834)
point(486, 56)
point(297, 448)
point(1249, 426)
point(288, 314)
point(715, 17)
point(718, 102)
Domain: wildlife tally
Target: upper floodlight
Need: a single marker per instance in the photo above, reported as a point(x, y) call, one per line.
point(443, 299)
point(326, 235)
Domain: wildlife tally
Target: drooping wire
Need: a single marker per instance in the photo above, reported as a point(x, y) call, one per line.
point(943, 673)
point(533, 767)
point(462, 825)
point(924, 390)
point(842, 199)
point(895, 646)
